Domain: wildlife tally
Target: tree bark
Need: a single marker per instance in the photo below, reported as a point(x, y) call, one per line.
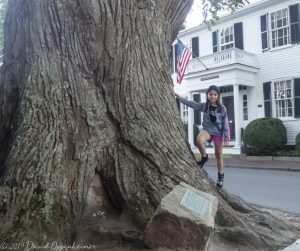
point(86, 98)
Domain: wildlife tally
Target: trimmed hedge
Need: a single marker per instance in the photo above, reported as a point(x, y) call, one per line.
point(264, 136)
point(297, 146)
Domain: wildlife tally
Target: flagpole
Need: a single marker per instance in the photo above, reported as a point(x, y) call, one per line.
point(193, 54)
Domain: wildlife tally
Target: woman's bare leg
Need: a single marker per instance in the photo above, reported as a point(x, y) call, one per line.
point(202, 137)
point(219, 156)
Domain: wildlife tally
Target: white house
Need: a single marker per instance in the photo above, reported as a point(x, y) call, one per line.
point(253, 55)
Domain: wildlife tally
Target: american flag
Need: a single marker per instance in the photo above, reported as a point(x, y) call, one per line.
point(183, 57)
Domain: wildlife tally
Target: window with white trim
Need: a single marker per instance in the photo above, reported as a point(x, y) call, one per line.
point(184, 113)
point(227, 38)
point(245, 107)
point(280, 28)
point(283, 97)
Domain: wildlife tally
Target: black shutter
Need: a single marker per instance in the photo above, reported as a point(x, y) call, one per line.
point(294, 22)
point(176, 57)
point(297, 97)
point(178, 104)
point(267, 99)
point(238, 36)
point(195, 47)
point(264, 32)
point(215, 41)
point(172, 58)
point(197, 113)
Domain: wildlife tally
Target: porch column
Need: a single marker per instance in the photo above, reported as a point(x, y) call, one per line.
point(191, 122)
point(237, 115)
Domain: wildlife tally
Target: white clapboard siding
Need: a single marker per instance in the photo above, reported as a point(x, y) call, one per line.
point(274, 64)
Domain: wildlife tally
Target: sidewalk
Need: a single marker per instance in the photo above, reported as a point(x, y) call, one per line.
point(256, 162)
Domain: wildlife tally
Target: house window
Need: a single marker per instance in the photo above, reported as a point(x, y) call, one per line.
point(283, 97)
point(184, 113)
point(281, 27)
point(280, 31)
point(226, 89)
point(245, 107)
point(226, 38)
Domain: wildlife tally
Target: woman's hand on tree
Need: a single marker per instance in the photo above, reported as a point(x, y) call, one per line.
point(177, 96)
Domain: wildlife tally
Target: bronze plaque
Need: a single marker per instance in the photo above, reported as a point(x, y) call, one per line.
point(194, 202)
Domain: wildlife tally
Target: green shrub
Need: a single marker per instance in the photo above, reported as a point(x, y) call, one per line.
point(287, 152)
point(297, 145)
point(264, 136)
point(196, 131)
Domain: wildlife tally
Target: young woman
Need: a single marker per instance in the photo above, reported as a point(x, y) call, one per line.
point(215, 127)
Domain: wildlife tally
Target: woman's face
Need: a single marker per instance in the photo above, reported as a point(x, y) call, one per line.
point(213, 96)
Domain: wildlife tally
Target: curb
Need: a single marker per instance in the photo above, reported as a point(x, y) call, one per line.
point(245, 157)
point(286, 169)
point(286, 158)
point(281, 158)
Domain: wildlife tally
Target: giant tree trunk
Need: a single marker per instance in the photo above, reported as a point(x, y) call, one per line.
point(86, 98)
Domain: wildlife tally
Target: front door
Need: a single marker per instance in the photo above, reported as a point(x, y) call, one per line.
point(228, 103)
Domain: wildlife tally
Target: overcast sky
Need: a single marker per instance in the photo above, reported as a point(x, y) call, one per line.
point(194, 18)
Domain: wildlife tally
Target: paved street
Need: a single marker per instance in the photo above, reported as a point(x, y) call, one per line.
point(268, 188)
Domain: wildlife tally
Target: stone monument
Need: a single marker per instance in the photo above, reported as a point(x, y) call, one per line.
point(184, 220)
